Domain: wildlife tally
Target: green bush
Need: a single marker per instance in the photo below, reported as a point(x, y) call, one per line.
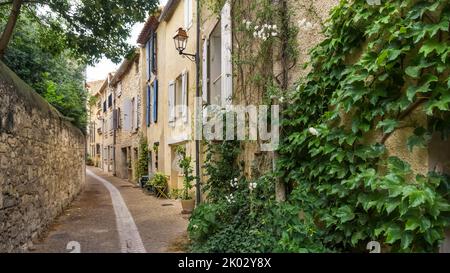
point(158, 180)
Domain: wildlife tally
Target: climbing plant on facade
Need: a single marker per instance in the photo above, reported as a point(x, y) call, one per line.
point(377, 66)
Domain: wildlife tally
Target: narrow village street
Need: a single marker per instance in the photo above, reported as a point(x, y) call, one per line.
point(92, 221)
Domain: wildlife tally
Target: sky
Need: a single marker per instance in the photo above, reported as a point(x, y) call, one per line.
point(105, 66)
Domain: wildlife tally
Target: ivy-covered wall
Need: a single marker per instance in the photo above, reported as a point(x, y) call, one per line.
point(362, 126)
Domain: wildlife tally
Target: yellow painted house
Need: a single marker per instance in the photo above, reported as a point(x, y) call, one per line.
point(169, 88)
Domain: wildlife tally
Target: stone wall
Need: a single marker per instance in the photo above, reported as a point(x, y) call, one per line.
point(42, 163)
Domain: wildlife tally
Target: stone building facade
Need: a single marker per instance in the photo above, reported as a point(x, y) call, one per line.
point(42, 163)
point(94, 129)
point(128, 115)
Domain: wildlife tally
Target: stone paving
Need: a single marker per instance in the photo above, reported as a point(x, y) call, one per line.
point(92, 221)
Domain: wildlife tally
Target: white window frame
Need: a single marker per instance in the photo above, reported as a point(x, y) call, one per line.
point(188, 14)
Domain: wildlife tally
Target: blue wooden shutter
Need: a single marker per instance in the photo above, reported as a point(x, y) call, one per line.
point(148, 59)
point(148, 105)
point(154, 48)
point(155, 101)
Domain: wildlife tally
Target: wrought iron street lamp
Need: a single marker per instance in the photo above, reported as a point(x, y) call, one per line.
point(180, 39)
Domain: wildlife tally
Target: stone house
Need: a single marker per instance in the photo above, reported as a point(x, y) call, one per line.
point(105, 126)
point(127, 117)
point(168, 88)
point(94, 107)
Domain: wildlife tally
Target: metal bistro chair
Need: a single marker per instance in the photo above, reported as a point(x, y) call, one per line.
point(161, 191)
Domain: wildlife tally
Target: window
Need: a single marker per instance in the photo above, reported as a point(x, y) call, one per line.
point(149, 94)
point(188, 13)
point(217, 62)
point(178, 98)
point(119, 89)
point(117, 119)
point(152, 103)
point(133, 114)
point(154, 52)
point(104, 106)
point(215, 67)
point(148, 59)
point(110, 101)
point(155, 101)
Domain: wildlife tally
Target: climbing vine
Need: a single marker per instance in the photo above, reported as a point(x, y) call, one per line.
point(381, 72)
point(377, 66)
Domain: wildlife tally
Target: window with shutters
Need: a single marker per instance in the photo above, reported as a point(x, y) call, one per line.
point(180, 97)
point(217, 62)
point(171, 102)
point(153, 102)
point(215, 67)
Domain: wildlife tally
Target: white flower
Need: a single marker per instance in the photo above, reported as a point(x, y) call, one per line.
point(230, 198)
point(274, 27)
point(313, 131)
point(195, 226)
point(274, 34)
point(252, 186)
point(256, 27)
point(234, 183)
point(281, 99)
point(255, 34)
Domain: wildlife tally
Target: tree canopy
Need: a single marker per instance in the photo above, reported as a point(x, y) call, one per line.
point(91, 29)
point(36, 57)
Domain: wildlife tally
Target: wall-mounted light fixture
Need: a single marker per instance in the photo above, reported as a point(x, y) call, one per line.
point(180, 39)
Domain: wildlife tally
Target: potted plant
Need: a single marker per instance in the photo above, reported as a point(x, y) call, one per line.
point(158, 184)
point(187, 202)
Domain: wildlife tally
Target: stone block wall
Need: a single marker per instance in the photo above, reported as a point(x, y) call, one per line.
point(42, 163)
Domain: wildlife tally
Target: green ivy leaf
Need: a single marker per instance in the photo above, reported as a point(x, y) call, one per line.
point(424, 88)
point(345, 214)
point(391, 206)
point(419, 139)
point(431, 45)
point(413, 71)
point(412, 224)
point(417, 198)
point(406, 240)
point(393, 234)
point(432, 235)
point(357, 236)
point(439, 103)
point(388, 125)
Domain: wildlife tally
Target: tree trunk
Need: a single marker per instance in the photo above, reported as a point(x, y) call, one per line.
point(7, 33)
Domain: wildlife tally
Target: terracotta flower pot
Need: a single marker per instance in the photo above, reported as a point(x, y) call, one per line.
point(188, 206)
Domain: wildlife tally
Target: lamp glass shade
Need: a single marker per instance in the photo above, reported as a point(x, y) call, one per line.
point(180, 39)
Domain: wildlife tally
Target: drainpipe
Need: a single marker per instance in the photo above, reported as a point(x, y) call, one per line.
point(197, 141)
